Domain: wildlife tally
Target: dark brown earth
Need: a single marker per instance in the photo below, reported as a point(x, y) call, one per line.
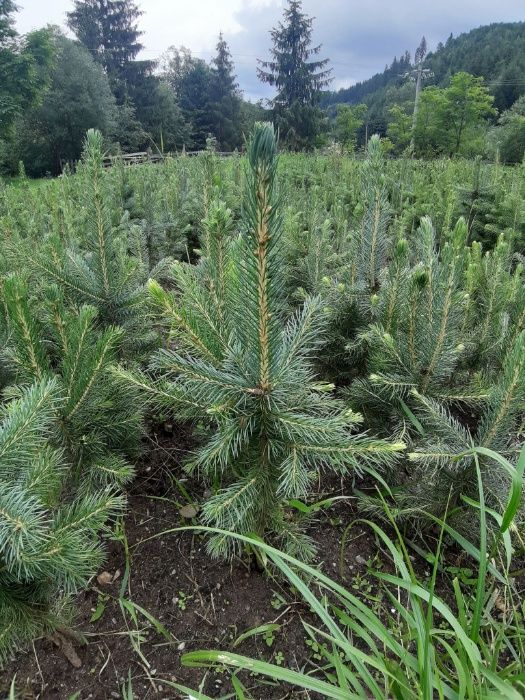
point(201, 602)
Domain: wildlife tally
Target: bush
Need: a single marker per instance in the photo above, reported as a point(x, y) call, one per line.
point(49, 539)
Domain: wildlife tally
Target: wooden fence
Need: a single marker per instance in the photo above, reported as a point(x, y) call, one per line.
point(134, 158)
point(141, 157)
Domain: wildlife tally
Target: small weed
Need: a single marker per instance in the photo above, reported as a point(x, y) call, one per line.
point(98, 612)
point(279, 658)
point(182, 600)
point(277, 602)
point(269, 637)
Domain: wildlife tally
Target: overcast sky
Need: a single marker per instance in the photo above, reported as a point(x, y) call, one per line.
point(359, 37)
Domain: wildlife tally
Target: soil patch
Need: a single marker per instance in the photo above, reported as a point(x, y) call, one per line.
point(202, 603)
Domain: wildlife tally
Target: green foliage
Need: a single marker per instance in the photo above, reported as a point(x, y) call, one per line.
point(399, 129)
point(163, 119)
point(100, 424)
point(421, 646)
point(445, 342)
point(225, 99)
point(508, 138)
point(347, 124)
point(208, 95)
point(493, 52)
point(415, 340)
point(79, 98)
point(128, 133)
point(336, 275)
point(370, 246)
point(99, 270)
point(191, 80)
point(68, 431)
point(109, 31)
point(417, 315)
point(448, 118)
point(242, 365)
point(298, 79)
point(7, 30)
point(25, 64)
point(49, 544)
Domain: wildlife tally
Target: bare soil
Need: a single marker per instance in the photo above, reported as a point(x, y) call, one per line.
point(201, 602)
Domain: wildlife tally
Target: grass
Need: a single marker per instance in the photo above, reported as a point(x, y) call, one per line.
point(426, 647)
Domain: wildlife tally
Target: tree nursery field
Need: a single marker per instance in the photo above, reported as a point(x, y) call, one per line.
point(260, 432)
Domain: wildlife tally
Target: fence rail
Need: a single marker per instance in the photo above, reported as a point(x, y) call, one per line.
point(148, 157)
point(134, 158)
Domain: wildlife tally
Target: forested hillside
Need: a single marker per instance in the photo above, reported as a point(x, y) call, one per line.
point(495, 52)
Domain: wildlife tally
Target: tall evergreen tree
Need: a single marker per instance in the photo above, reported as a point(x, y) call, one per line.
point(297, 76)
point(108, 28)
point(226, 102)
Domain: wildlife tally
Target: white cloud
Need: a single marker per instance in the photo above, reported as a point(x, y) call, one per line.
point(193, 24)
point(164, 22)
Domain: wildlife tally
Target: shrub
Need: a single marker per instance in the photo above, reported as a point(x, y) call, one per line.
point(100, 421)
point(239, 363)
point(49, 540)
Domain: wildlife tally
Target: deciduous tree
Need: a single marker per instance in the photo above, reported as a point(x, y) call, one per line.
point(449, 117)
point(25, 65)
point(349, 119)
point(78, 99)
point(399, 128)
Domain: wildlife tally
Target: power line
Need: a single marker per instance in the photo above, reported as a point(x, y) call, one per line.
point(233, 55)
point(507, 83)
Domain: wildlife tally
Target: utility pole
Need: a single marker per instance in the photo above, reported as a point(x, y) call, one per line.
point(418, 74)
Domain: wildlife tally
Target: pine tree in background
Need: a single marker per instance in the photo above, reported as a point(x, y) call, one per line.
point(108, 28)
point(297, 79)
point(49, 538)
point(240, 364)
point(225, 99)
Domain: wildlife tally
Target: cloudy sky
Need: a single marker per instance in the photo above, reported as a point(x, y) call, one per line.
point(359, 37)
